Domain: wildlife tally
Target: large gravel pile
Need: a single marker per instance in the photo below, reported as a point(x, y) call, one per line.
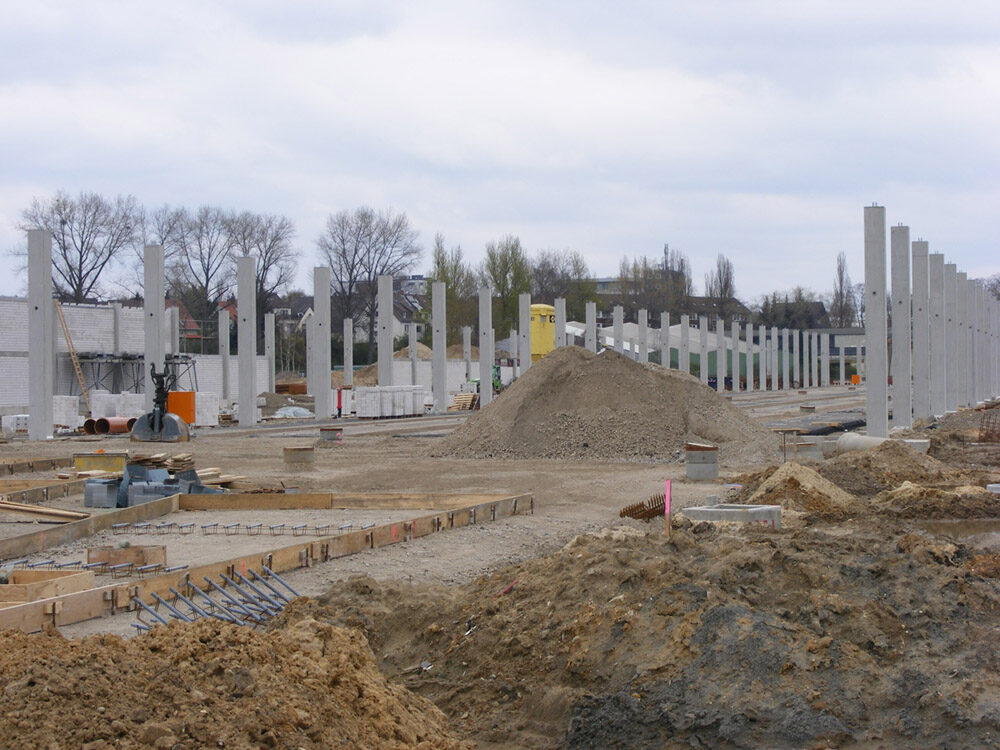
point(573, 403)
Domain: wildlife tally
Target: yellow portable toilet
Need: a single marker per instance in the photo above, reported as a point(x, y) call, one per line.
point(543, 331)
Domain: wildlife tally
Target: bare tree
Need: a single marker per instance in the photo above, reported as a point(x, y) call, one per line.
point(843, 311)
point(678, 285)
point(992, 284)
point(360, 246)
point(90, 237)
point(720, 285)
point(507, 271)
point(201, 274)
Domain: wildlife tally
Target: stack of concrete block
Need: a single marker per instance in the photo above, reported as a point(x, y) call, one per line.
point(103, 404)
point(366, 402)
point(206, 409)
point(131, 405)
point(15, 423)
point(702, 461)
point(66, 411)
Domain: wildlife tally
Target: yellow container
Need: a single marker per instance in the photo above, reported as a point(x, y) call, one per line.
point(181, 403)
point(543, 331)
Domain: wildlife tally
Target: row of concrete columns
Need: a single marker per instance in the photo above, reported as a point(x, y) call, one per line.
point(945, 333)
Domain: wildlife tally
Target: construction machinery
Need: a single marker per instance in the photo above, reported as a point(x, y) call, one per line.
point(160, 425)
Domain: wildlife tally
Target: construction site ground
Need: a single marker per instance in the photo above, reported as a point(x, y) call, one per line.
point(574, 628)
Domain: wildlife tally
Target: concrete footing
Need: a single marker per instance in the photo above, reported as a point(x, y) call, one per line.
point(769, 515)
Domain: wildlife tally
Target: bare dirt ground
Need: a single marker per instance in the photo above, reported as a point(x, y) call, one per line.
point(870, 624)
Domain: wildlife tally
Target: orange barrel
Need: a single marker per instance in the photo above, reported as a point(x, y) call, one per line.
point(181, 403)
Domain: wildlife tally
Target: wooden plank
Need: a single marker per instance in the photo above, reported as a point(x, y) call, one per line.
point(256, 501)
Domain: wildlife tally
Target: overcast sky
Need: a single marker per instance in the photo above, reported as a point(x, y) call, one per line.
point(755, 129)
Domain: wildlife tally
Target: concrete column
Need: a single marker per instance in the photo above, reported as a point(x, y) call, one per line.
point(560, 306)
point(703, 348)
point(323, 407)
point(824, 354)
point(762, 356)
point(411, 348)
point(41, 315)
point(972, 365)
point(515, 343)
point(876, 392)
point(720, 354)
point(152, 308)
point(269, 349)
point(841, 364)
point(643, 336)
point(921, 321)
point(524, 323)
point(617, 321)
point(796, 352)
point(116, 324)
point(902, 398)
point(735, 365)
point(246, 338)
point(786, 357)
point(774, 358)
point(383, 321)
point(982, 354)
point(951, 336)
point(749, 358)
point(684, 355)
point(467, 351)
point(665, 339)
point(173, 330)
point(814, 358)
point(961, 339)
point(938, 333)
point(224, 320)
point(439, 345)
point(590, 336)
point(349, 352)
point(485, 346)
point(312, 377)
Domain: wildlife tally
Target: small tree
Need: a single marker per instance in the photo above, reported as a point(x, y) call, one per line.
point(843, 311)
point(507, 272)
point(449, 267)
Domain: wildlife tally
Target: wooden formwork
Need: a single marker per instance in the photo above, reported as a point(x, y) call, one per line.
point(34, 464)
point(106, 600)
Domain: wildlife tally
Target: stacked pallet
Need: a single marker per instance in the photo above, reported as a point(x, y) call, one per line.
point(465, 402)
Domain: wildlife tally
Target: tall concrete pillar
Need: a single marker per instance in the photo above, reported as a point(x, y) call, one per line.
point(322, 336)
point(824, 355)
point(774, 358)
point(972, 365)
point(560, 306)
point(796, 353)
point(467, 351)
point(720, 355)
point(951, 336)
point(116, 324)
point(665, 339)
point(41, 354)
point(841, 364)
point(876, 392)
point(590, 334)
point(384, 317)
point(762, 356)
point(524, 335)
point(224, 321)
point(902, 398)
point(246, 337)
point(643, 336)
point(172, 330)
point(152, 309)
point(269, 349)
point(703, 348)
point(814, 358)
point(312, 375)
point(411, 349)
point(921, 321)
point(617, 322)
point(515, 342)
point(786, 357)
point(982, 356)
point(439, 344)
point(749, 358)
point(485, 346)
point(938, 334)
point(684, 355)
point(734, 343)
point(961, 339)
point(348, 352)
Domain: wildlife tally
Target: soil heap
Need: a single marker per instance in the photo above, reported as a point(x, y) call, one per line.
point(877, 637)
point(423, 352)
point(573, 403)
point(799, 488)
point(208, 684)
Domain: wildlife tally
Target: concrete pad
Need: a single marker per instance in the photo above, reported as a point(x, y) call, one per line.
point(733, 513)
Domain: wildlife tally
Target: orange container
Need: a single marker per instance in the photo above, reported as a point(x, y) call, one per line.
point(855, 379)
point(181, 403)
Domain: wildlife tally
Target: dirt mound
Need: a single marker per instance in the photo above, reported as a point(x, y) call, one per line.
point(798, 487)
point(455, 352)
point(367, 375)
point(910, 500)
point(423, 352)
point(208, 684)
point(810, 638)
point(573, 403)
point(866, 473)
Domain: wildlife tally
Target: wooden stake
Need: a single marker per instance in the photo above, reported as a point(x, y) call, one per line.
point(666, 508)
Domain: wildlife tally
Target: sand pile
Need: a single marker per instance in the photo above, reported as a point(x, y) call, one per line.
point(209, 685)
point(911, 500)
point(866, 473)
point(455, 352)
point(423, 352)
point(573, 403)
point(714, 638)
point(367, 375)
point(798, 487)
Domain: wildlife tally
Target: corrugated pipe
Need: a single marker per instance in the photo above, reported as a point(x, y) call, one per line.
point(90, 426)
point(113, 425)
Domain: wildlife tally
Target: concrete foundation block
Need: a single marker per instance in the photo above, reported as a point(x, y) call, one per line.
point(769, 515)
point(701, 461)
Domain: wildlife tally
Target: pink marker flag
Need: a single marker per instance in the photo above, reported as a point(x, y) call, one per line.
point(666, 500)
